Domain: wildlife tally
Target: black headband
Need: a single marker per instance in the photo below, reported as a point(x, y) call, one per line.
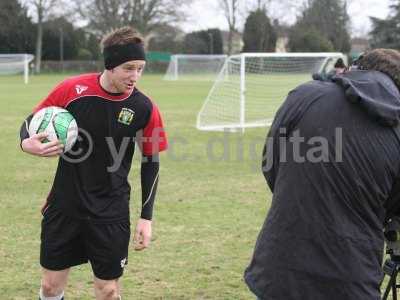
point(118, 54)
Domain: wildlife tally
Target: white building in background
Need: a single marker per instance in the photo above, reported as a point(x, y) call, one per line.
point(237, 42)
point(281, 44)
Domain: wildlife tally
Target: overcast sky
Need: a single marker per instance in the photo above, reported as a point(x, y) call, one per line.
point(204, 14)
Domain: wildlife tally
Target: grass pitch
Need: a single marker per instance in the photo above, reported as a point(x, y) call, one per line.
point(211, 202)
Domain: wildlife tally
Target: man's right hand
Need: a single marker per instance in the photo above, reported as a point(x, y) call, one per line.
point(33, 145)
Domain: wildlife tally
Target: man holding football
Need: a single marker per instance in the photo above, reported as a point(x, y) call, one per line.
point(86, 215)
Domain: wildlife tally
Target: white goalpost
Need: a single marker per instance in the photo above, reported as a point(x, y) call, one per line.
point(194, 66)
point(11, 64)
point(251, 86)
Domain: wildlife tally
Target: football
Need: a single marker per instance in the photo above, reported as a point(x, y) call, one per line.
point(58, 123)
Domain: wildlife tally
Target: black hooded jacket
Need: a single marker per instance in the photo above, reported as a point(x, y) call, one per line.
point(332, 161)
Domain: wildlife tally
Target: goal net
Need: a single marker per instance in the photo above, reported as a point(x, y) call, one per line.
point(194, 67)
point(11, 64)
point(251, 86)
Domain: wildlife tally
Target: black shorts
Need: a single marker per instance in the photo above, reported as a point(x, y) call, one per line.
point(67, 242)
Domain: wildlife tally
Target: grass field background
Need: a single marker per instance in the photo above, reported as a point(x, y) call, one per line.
point(210, 205)
point(211, 202)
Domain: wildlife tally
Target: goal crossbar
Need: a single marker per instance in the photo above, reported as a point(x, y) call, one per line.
point(194, 66)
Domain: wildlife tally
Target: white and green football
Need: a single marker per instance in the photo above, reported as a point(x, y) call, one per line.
point(58, 123)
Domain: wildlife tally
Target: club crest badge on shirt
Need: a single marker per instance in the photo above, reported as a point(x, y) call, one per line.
point(126, 116)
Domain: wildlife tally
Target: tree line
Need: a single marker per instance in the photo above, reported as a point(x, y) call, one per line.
point(49, 31)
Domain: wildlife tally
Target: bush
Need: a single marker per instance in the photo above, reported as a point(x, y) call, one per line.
point(308, 41)
point(84, 54)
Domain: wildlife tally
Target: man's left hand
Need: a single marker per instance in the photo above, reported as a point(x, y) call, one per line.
point(142, 236)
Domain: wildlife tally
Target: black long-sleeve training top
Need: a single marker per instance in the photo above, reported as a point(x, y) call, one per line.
point(91, 180)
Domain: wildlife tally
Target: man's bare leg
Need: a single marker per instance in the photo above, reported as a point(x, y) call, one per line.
point(53, 284)
point(106, 289)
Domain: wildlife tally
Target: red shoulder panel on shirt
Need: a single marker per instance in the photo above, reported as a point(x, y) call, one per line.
point(76, 87)
point(154, 138)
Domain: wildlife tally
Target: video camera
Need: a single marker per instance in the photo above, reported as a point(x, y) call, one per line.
point(391, 267)
point(392, 237)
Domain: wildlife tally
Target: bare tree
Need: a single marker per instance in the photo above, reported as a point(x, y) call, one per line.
point(230, 8)
point(42, 9)
point(144, 15)
point(285, 11)
point(236, 11)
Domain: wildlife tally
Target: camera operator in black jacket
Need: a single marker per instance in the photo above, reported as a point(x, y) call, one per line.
point(332, 162)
